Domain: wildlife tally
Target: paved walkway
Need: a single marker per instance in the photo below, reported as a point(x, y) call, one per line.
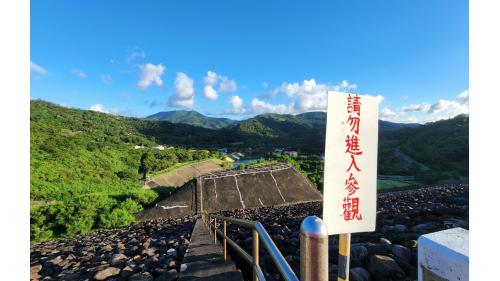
point(205, 260)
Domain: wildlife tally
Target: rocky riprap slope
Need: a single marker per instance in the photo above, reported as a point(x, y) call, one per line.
point(389, 253)
point(150, 250)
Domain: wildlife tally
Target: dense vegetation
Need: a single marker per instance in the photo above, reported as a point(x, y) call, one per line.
point(85, 169)
point(310, 166)
point(192, 118)
point(440, 149)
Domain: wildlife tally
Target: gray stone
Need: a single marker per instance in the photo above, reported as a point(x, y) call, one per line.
point(172, 252)
point(149, 252)
point(117, 259)
point(107, 273)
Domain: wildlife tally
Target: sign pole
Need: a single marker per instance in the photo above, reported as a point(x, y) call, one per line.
point(344, 252)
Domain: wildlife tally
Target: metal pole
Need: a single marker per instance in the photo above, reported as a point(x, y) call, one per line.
point(344, 252)
point(255, 252)
point(215, 231)
point(313, 250)
point(225, 241)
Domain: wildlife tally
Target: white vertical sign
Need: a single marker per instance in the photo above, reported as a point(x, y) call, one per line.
point(350, 179)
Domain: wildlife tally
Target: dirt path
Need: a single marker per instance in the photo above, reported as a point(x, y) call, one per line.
point(409, 159)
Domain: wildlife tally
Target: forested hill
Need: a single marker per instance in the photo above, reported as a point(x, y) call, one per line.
point(192, 118)
point(442, 146)
point(85, 168)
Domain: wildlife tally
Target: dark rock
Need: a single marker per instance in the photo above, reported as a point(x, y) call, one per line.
point(142, 276)
point(401, 253)
point(359, 255)
point(384, 268)
point(399, 228)
point(359, 274)
point(126, 272)
point(172, 252)
point(420, 228)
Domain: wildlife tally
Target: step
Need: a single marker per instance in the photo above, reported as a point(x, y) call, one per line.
point(205, 259)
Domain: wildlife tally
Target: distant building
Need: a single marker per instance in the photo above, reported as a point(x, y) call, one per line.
point(291, 153)
point(222, 150)
point(160, 147)
point(235, 156)
point(278, 150)
point(139, 146)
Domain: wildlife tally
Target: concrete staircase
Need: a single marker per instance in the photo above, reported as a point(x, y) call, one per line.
point(204, 259)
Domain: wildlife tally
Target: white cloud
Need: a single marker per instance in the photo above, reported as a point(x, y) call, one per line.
point(425, 112)
point(423, 107)
point(150, 74)
point(37, 69)
point(236, 105)
point(113, 111)
point(211, 78)
point(98, 107)
point(79, 73)
point(346, 85)
point(387, 113)
point(260, 107)
point(106, 78)
point(184, 92)
point(309, 95)
point(225, 85)
point(464, 96)
point(447, 105)
point(210, 93)
point(134, 54)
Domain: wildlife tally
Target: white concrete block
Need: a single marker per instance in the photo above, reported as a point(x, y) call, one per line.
point(444, 255)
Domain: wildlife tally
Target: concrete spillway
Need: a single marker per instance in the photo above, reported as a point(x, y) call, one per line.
point(228, 190)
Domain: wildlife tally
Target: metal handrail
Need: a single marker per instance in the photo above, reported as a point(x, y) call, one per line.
point(257, 231)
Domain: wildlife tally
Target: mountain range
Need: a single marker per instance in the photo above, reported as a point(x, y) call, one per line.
point(316, 120)
point(192, 118)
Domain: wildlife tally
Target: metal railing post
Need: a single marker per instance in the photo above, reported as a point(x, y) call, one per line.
point(313, 250)
point(225, 242)
point(255, 252)
point(215, 231)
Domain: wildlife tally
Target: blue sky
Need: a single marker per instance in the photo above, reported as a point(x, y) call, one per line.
point(241, 58)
